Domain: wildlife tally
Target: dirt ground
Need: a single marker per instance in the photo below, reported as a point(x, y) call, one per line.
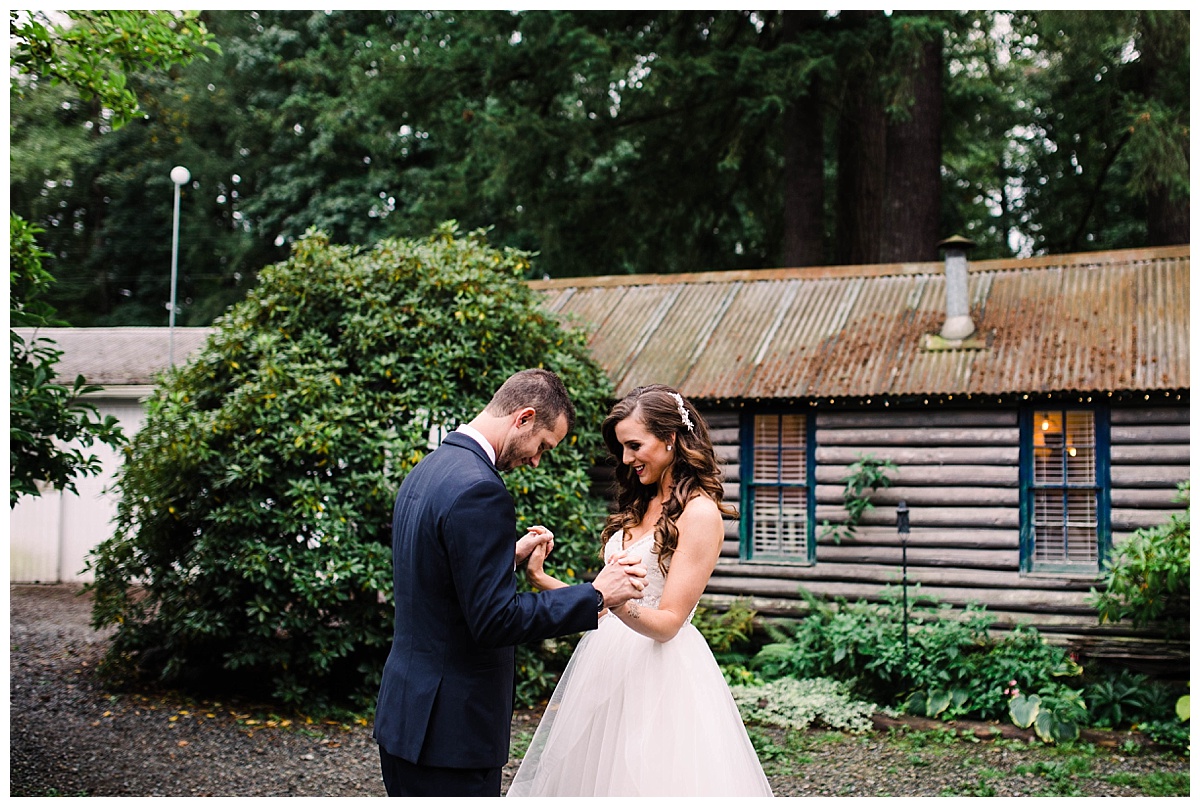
point(70, 736)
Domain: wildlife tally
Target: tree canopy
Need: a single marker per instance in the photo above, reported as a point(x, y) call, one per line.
point(85, 55)
point(618, 142)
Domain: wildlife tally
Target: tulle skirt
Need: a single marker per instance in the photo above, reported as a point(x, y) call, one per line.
point(636, 717)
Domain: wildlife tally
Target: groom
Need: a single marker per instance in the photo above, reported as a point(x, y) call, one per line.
point(445, 703)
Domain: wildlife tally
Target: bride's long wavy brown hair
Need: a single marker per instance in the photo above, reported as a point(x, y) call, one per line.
point(694, 470)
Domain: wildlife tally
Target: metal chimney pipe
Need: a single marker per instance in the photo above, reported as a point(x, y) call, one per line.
point(958, 323)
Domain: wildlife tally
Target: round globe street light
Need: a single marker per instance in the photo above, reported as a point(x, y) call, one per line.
point(179, 176)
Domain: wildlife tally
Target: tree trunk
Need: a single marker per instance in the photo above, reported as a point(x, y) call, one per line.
point(804, 162)
point(861, 144)
point(913, 181)
point(1168, 220)
point(1168, 213)
point(861, 139)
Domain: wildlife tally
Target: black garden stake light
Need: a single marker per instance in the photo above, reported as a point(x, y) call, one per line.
point(902, 529)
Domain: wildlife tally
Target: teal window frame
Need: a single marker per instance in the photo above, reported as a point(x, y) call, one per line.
point(752, 488)
point(1030, 488)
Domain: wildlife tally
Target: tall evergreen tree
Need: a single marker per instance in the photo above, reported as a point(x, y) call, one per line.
point(617, 142)
point(804, 153)
point(912, 183)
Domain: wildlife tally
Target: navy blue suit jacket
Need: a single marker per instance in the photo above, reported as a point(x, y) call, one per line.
point(446, 697)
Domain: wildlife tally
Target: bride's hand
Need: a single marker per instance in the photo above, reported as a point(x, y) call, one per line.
point(537, 558)
point(536, 535)
point(535, 570)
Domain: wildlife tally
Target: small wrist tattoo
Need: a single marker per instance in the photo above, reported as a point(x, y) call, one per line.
point(633, 611)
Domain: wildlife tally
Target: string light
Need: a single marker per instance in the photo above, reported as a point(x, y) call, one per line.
point(1003, 399)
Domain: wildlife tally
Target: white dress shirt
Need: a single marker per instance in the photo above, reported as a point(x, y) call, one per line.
point(477, 436)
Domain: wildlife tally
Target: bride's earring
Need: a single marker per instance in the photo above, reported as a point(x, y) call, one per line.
point(670, 447)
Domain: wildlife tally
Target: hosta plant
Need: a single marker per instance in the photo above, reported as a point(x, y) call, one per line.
point(1055, 714)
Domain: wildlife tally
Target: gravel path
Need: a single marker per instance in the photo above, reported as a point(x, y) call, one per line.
point(69, 736)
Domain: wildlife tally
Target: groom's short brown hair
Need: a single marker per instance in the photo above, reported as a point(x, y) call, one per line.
point(541, 389)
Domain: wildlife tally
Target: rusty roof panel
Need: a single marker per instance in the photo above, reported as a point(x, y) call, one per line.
point(726, 363)
point(586, 308)
point(554, 299)
point(1084, 322)
point(669, 351)
point(625, 317)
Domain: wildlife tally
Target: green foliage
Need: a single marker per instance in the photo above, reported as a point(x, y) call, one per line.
point(1056, 103)
point(96, 51)
point(867, 475)
point(935, 700)
point(1120, 699)
point(725, 630)
point(1157, 783)
point(1172, 733)
point(729, 634)
point(539, 667)
point(548, 125)
point(72, 86)
point(951, 660)
point(1148, 576)
point(1061, 777)
point(49, 424)
point(1130, 700)
point(27, 278)
point(253, 531)
point(798, 703)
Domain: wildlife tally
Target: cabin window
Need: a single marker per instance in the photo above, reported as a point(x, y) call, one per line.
point(776, 497)
point(1064, 525)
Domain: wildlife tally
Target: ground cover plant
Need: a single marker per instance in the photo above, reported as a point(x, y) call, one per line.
point(252, 544)
point(941, 664)
point(931, 662)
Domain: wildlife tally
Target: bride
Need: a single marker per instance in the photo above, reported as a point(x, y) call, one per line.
point(642, 708)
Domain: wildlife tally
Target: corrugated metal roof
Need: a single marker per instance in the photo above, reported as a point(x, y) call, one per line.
point(1105, 321)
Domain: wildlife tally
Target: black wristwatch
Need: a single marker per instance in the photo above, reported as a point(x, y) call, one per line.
point(599, 601)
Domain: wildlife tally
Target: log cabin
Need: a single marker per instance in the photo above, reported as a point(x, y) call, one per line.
point(1035, 413)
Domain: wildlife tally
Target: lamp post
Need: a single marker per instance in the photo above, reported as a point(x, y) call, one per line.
point(902, 528)
point(179, 177)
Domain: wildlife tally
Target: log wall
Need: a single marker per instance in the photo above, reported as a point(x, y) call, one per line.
point(958, 472)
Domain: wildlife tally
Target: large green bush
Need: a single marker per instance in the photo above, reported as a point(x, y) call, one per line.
point(252, 540)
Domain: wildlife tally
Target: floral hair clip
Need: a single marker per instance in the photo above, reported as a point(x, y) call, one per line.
point(683, 413)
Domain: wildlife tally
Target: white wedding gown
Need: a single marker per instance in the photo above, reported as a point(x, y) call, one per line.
point(635, 717)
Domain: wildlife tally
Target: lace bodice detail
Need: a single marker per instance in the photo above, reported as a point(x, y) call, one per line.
point(655, 579)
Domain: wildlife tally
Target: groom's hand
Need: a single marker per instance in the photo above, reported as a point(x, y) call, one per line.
point(622, 579)
point(536, 536)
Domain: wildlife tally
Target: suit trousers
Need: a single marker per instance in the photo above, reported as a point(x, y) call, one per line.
point(404, 778)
